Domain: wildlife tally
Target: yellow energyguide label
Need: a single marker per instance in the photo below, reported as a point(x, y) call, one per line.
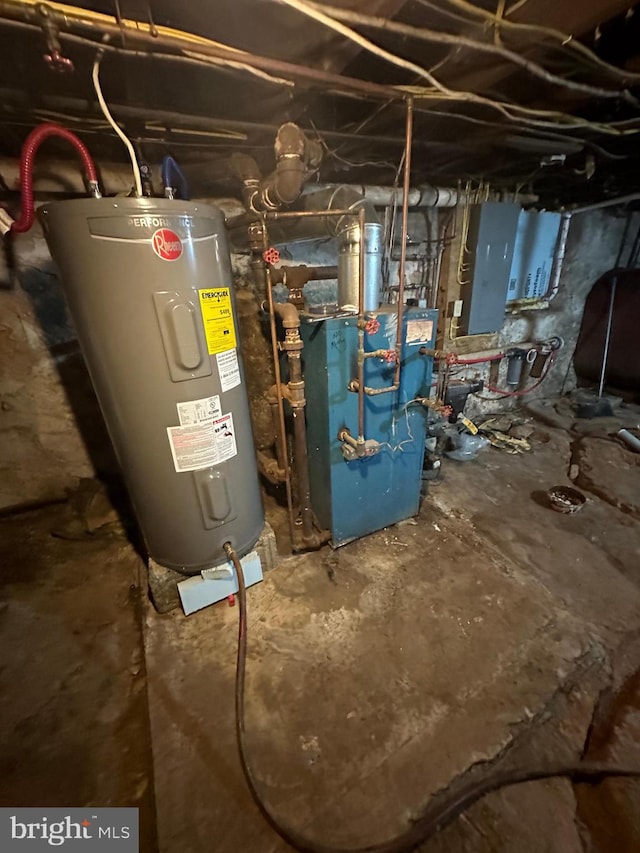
point(217, 317)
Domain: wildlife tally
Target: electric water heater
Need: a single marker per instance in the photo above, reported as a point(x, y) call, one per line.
point(149, 286)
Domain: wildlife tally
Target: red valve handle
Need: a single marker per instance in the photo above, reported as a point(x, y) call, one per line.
point(57, 62)
point(271, 256)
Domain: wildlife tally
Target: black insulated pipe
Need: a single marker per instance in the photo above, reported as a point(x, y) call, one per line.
point(290, 168)
point(294, 154)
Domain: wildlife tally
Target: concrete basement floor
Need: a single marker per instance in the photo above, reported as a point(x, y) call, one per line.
point(490, 630)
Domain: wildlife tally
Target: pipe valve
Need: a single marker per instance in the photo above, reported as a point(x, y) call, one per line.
point(357, 448)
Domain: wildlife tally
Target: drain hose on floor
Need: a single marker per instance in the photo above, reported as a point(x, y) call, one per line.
point(436, 815)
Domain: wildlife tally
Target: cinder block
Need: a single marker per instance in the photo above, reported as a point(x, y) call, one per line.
point(163, 587)
point(267, 548)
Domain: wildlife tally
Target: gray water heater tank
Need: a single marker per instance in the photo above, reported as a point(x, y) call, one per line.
point(149, 286)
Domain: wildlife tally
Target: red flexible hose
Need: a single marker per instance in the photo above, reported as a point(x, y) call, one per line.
point(29, 149)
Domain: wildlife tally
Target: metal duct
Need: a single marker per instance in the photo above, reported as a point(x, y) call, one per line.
point(346, 229)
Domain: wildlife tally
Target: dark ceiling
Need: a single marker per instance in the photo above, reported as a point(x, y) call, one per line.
point(531, 94)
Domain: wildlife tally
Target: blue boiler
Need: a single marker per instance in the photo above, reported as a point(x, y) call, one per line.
point(356, 497)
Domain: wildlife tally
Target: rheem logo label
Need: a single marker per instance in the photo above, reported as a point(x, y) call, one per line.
point(166, 244)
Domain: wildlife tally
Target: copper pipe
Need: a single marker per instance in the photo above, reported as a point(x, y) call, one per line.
point(276, 369)
point(387, 354)
point(403, 244)
point(361, 385)
point(275, 215)
point(301, 214)
point(362, 390)
point(373, 392)
point(361, 322)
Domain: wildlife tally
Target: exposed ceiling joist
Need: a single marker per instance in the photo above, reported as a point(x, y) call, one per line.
point(576, 18)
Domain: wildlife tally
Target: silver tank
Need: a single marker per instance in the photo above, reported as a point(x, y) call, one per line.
point(349, 266)
point(150, 290)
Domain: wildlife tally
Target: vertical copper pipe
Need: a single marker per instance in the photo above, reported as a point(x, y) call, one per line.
point(361, 322)
point(276, 369)
point(403, 244)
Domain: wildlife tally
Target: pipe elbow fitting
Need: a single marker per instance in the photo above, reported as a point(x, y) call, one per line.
point(289, 178)
point(288, 313)
point(290, 140)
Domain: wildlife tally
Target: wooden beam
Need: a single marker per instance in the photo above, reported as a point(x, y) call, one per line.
point(341, 52)
point(574, 18)
point(479, 74)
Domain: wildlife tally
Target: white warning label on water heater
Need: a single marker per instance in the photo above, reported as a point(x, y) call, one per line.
point(193, 447)
point(228, 369)
point(198, 411)
point(225, 437)
point(202, 445)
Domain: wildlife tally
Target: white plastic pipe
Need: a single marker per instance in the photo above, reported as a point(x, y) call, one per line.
point(558, 257)
point(380, 196)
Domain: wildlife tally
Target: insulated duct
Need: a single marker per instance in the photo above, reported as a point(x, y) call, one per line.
point(422, 196)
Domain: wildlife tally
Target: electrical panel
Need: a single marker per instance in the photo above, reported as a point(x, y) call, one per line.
point(491, 239)
point(535, 246)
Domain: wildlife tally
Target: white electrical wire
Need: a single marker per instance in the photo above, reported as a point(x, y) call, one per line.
point(257, 72)
point(514, 112)
point(115, 126)
point(563, 40)
point(393, 448)
point(437, 36)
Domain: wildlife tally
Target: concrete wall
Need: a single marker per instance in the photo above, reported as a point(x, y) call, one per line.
point(42, 382)
point(592, 249)
point(51, 431)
